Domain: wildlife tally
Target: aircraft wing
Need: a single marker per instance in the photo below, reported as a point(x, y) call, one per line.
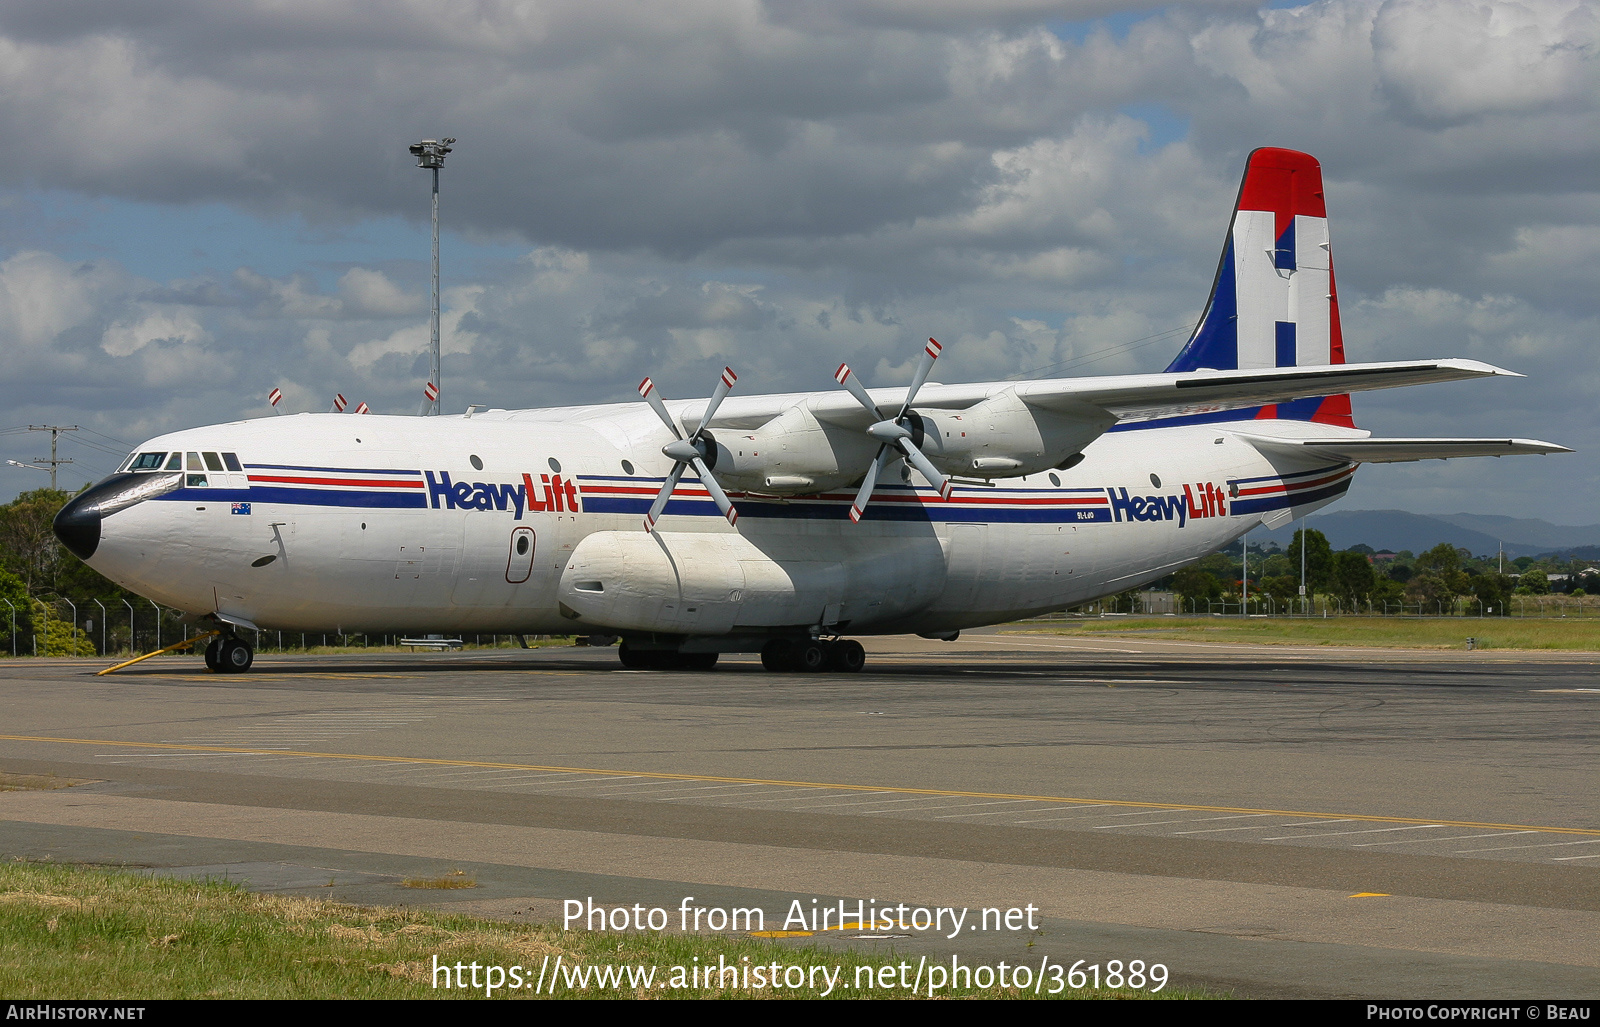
point(1390, 451)
point(1141, 397)
point(1134, 397)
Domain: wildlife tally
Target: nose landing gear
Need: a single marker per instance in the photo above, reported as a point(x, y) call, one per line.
point(227, 654)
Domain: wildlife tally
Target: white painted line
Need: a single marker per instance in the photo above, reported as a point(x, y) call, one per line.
point(1202, 820)
point(1013, 812)
point(1338, 834)
point(1563, 859)
point(957, 805)
point(1051, 820)
point(1544, 845)
point(820, 793)
point(194, 755)
point(992, 813)
point(1267, 827)
point(1452, 838)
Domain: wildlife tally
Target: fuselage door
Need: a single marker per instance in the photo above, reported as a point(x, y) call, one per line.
point(519, 564)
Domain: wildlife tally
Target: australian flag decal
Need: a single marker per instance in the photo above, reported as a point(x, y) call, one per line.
point(242, 508)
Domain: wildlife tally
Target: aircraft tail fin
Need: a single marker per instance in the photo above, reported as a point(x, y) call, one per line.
point(1273, 302)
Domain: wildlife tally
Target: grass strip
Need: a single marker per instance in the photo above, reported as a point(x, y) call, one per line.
point(1573, 633)
point(86, 933)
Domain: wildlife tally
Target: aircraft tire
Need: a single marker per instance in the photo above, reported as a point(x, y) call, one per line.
point(695, 661)
point(778, 656)
point(213, 657)
point(846, 655)
point(235, 656)
point(633, 659)
point(810, 657)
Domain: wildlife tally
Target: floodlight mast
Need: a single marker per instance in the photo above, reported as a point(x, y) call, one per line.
point(430, 154)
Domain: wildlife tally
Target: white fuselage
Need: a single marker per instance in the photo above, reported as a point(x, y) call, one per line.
point(368, 524)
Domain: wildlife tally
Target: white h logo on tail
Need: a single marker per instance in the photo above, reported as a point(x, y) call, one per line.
point(1283, 292)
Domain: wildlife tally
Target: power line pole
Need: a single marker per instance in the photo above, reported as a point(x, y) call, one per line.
point(430, 154)
point(1303, 607)
point(55, 434)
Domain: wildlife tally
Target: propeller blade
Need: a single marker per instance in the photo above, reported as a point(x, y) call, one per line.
point(647, 389)
point(717, 494)
point(915, 458)
point(844, 376)
point(717, 396)
point(661, 497)
point(930, 353)
point(868, 483)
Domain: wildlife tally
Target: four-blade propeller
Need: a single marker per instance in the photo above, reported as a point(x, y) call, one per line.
point(893, 433)
point(690, 451)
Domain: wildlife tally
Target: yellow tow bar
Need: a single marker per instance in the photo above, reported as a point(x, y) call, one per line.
point(186, 643)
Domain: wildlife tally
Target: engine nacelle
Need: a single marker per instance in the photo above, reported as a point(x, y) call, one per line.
point(1003, 437)
point(793, 454)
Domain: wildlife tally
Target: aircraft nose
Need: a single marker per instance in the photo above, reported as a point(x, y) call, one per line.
point(78, 525)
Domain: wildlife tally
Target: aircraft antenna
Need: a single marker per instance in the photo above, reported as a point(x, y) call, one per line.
point(430, 154)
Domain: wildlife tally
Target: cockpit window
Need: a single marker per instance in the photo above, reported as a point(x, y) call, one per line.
point(232, 461)
point(176, 463)
point(213, 462)
point(147, 462)
point(194, 462)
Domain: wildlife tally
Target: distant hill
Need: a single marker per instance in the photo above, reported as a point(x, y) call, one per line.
point(1481, 533)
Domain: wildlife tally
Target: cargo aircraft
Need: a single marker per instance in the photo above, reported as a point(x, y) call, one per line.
point(779, 524)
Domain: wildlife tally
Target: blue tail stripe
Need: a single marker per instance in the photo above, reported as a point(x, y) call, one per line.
point(1215, 343)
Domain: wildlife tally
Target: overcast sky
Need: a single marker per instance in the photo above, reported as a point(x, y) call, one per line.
point(204, 199)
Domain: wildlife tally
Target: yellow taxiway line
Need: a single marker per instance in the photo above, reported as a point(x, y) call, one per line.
point(716, 779)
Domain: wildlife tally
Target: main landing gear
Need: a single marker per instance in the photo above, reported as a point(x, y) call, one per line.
point(227, 654)
point(664, 659)
point(788, 655)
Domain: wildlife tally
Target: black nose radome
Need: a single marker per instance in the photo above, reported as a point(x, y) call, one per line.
point(78, 525)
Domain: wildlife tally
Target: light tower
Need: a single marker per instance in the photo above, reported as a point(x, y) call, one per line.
point(430, 154)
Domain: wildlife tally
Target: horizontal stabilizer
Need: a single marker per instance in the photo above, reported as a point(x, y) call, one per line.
point(1391, 451)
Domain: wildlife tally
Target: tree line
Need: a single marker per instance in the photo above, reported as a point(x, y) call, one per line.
point(40, 578)
point(1438, 580)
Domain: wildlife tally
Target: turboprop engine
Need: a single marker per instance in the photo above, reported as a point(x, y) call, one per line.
point(1004, 437)
point(793, 454)
point(796, 453)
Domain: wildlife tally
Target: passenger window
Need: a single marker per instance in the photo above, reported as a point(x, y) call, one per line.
point(176, 463)
point(213, 462)
point(232, 461)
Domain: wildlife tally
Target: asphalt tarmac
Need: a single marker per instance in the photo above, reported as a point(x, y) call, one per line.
point(1262, 820)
